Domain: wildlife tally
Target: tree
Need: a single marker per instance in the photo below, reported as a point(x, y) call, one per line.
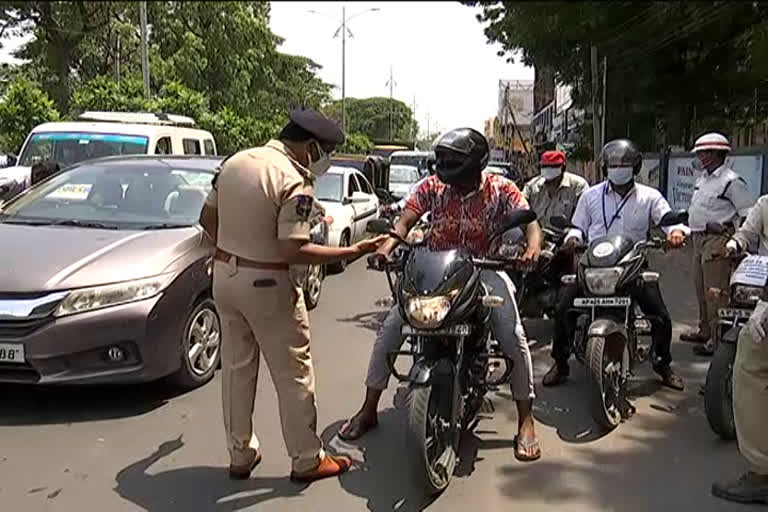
point(668, 63)
point(357, 144)
point(104, 94)
point(24, 106)
point(371, 116)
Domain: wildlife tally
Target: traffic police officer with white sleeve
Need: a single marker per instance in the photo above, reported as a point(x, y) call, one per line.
point(258, 217)
point(719, 196)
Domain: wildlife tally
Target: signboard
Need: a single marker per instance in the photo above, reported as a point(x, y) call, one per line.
point(684, 171)
point(650, 173)
point(752, 271)
point(71, 192)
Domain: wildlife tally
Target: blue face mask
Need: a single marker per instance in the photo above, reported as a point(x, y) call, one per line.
point(620, 175)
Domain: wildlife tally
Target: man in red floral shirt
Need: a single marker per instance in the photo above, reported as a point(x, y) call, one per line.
point(467, 207)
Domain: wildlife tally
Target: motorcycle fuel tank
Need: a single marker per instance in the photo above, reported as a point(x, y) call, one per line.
point(607, 251)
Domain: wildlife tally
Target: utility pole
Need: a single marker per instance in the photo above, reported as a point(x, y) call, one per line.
point(428, 138)
point(144, 49)
point(344, 69)
point(413, 122)
point(603, 112)
point(117, 59)
point(595, 124)
point(391, 84)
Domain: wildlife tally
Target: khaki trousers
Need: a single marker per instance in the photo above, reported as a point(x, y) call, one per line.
point(750, 400)
point(709, 274)
point(263, 312)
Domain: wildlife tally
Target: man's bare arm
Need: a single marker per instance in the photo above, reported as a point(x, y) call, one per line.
point(403, 225)
point(209, 220)
point(303, 252)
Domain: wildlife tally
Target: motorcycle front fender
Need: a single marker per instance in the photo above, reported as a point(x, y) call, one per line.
point(420, 373)
point(605, 327)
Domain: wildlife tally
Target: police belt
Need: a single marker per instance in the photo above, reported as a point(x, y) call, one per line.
point(222, 255)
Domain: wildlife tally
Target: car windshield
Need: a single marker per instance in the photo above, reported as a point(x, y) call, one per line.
point(403, 174)
point(129, 194)
point(69, 148)
point(328, 187)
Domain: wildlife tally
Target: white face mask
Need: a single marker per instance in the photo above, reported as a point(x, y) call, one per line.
point(620, 175)
point(323, 163)
point(550, 173)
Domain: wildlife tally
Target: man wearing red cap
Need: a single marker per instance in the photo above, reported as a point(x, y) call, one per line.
point(554, 191)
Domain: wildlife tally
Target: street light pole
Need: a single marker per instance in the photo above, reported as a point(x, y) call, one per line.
point(344, 69)
point(144, 49)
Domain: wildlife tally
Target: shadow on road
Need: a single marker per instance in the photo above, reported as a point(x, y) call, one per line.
point(29, 405)
point(193, 489)
point(371, 320)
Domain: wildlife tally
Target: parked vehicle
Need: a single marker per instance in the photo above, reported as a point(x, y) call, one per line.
point(106, 275)
point(402, 179)
point(349, 199)
point(447, 310)
point(509, 171)
point(606, 335)
point(747, 286)
point(103, 134)
point(416, 159)
point(313, 275)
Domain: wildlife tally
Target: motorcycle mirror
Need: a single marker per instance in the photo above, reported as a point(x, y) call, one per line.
point(715, 228)
point(559, 221)
point(379, 226)
point(673, 217)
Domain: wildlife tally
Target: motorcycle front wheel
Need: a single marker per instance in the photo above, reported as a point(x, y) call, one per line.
point(431, 437)
point(718, 392)
point(606, 381)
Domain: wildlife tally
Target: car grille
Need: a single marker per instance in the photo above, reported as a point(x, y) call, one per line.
point(20, 328)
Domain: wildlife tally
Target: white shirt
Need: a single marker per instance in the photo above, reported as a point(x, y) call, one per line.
point(753, 234)
point(714, 200)
point(601, 211)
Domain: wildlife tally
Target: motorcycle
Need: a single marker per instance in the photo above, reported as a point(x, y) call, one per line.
point(536, 287)
point(447, 312)
point(609, 322)
point(747, 286)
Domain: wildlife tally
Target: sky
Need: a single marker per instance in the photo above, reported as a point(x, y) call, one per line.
point(437, 50)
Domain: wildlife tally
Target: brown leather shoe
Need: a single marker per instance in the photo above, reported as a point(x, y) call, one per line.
point(558, 374)
point(329, 467)
point(669, 378)
point(243, 471)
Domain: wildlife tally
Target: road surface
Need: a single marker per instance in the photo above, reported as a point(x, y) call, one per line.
point(144, 448)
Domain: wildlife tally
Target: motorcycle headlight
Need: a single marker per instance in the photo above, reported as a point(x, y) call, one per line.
point(97, 297)
point(747, 295)
point(602, 281)
point(428, 312)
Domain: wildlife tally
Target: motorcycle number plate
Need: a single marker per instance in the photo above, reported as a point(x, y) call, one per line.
point(734, 313)
point(602, 302)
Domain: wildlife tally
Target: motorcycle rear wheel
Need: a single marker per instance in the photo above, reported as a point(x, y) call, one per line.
point(434, 444)
point(607, 387)
point(718, 392)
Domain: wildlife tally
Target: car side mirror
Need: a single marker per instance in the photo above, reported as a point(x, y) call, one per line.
point(346, 201)
point(379, 226)
point(673, 217)
point(12, 160)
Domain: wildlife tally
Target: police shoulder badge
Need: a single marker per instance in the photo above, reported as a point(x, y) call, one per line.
point(303, 206)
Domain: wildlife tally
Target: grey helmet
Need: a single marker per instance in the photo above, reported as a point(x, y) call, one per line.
point(620, 153)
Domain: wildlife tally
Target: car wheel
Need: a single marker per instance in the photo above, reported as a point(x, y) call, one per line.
point(339, 267)
point(313, 285)
point(200, 346)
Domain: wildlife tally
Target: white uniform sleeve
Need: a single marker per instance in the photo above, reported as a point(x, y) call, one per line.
point(739, 195)
point(581, 219)
point(749, 232)
point(660, 208)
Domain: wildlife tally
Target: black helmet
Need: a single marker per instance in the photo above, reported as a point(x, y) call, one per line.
point(430, 164)
point(620, 153)
point(460, 155)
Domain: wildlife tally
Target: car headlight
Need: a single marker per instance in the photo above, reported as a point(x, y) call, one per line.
point(602, 281)
point(97, 297)
point(428, 312)
point(747, 295)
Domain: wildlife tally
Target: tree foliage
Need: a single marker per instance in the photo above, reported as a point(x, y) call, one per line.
point(674, 69)
point(24, 106)
point(371, 116)
point(214, 61)
point(357, 144)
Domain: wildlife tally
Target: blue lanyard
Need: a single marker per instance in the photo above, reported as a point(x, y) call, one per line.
point(618, 210)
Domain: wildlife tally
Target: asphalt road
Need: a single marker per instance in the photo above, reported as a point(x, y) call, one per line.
point(143, 448)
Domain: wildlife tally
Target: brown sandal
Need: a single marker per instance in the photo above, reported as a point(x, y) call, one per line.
point(329, 467)
point(527, 444)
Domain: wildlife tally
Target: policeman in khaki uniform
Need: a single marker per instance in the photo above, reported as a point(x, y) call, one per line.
point(258, 216)
point(719, 196)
